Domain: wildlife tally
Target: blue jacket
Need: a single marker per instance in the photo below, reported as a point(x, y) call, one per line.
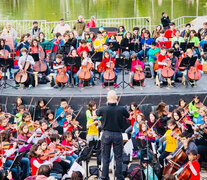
point(60, 119)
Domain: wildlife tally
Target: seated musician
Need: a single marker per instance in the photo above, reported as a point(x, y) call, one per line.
point(40, 109)
point(146, 42)
point(79, 142)
point(193, 165)
point(23, 43)
point(84, 62)
point(194, 106)
point(18, 115)
point(174, 65)
point(202, 112)
point(170, 33)
point(162, 58)
point(9, 155)
point(152, 58)
point(194, 39)
point(187, 143)
point(57, 43)
point(186, 32)
point(161, 38)
point(177, 37)
point(105, 63)
point(35, 48)
point(69, 142)
point(126, 45)
point(189, 56)
point(106, 48)
point(68, 45)
point(98, 43)
point(136, 65)
point(3, 54)
point(27, 118)
point(25, 57)
point(83, 47)
point(60, 114)
point(171, 136)
point(57, 64)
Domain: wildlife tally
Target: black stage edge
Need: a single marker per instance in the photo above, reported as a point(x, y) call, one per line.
point(147, 106)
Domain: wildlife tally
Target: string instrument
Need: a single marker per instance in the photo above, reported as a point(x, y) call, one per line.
point(85, 74)
point(76, 123)
point(156, 66)
point(176, 133)
point(22, 76)
point(139, 75)
point(100, 68)
point(47, 154)
point(40, 66)
point(186, 172)
point(109, 74)
point(4, 53)
point(61, 76)
point(193, 74)
point(183, 55)
point(167, 72)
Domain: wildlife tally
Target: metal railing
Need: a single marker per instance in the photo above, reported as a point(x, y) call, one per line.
point(180, 22)
point(21, 26)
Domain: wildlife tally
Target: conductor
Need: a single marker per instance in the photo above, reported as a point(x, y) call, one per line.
point(113, 120)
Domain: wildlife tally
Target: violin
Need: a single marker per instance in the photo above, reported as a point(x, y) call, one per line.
point(193, 74)
point(47, 154)
point(109, 74)
point(139, 75)
point(85, 74)
point(22, 76)
point(167, 71)
point(6, 145)
point(61, 76)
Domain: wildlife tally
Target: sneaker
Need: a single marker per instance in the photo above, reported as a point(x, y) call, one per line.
point(90, 85)
point(16, 86)
point(116, 85)
point(130, 84)
point(30, 86)
point(56, 86)
point(68, 85)
point(80, 85)
point(143, 85)
point(103, 86)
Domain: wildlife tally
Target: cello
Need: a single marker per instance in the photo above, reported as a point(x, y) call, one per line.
point(85, 74)
point(139, 75)
point(109, 74)
point(194, 74)
point(167, 71)
point(61, 76)
point(22, 76)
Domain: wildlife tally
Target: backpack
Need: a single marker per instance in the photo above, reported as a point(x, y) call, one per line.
point(135, 172)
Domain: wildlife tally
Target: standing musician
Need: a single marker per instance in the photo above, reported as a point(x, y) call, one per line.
point(113, 119)
point(137, 66)
point(86, 67)
point(25, 58)
point(108, 62)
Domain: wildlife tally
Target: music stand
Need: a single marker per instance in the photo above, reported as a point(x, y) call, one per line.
point(190, 45)
point(187, 62)
point(6, 63)
point(17, 161)
point(70, 61)
point(96, 57)
point(35, 56)
point(183, 46)
point(122, 64)
point(114, 46)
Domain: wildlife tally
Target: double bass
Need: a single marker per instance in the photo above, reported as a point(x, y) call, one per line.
point(22, 76)
point(109, 74)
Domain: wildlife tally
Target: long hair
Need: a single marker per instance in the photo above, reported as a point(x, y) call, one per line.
point(33, 150)
point(160, 109)
point(90, 105)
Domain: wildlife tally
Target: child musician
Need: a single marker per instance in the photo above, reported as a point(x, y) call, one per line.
point(85, 62)
point(57, 65)
point(22, 60)
point(136, 65)
point(68, 125)
point(193, 165)
point(108, 61)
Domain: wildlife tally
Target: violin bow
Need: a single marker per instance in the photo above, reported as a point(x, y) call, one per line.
point(49, 101)
point(6, 104)
point(99, 104)
point(30, 104)
point(120, 97)
point(204, 100)
point(141, 101)
point(69, 100)
point(34, 112)
point(78, 112)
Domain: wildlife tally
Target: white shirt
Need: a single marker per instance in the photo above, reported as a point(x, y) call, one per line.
point(62, 29)
point(22, 60)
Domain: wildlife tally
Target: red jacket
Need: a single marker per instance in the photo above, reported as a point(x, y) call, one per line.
point(81, 49)
point(169, 33)
point(161, 59)
point(105, 61)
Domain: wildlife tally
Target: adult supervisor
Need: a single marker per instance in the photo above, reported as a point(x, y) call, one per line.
point(113, 120)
